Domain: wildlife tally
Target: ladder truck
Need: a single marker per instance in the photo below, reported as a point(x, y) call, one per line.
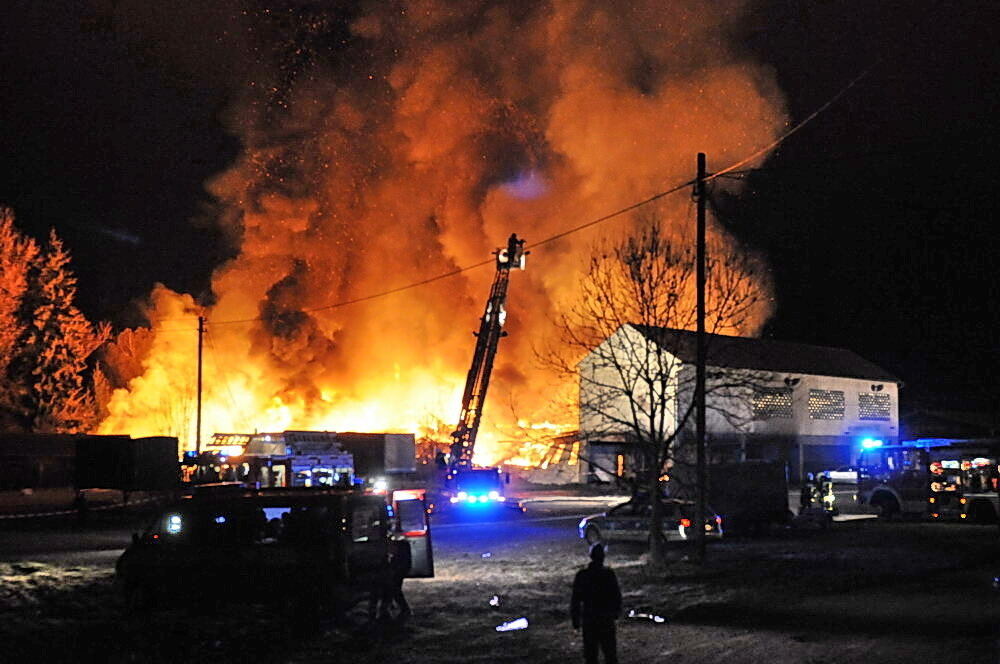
point(468, 485)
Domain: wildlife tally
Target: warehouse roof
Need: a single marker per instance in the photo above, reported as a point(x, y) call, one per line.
point(767, 354)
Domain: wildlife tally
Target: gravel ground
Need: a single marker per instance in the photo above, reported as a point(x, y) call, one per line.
point(865, 591)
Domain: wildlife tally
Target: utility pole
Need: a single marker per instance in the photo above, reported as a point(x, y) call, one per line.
point(699, 382)
point(197, 426)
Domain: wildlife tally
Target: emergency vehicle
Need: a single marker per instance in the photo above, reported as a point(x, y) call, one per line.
point(322, 550)
point(937, 478)
point(467, 487)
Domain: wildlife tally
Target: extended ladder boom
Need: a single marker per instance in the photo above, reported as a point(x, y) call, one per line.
point(487, 339)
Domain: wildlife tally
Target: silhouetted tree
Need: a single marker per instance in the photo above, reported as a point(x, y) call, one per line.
point(634, 388)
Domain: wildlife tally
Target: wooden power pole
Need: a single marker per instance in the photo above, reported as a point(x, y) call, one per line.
point(700, 360)
point(197, 426)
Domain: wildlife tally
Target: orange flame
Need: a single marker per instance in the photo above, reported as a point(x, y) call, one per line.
point(449, 127)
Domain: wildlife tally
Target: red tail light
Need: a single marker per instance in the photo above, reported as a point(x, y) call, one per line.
point(686, 523)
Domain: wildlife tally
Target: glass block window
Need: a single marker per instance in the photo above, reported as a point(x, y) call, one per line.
point(772, 402)
point(873, 406)
point(826, 404)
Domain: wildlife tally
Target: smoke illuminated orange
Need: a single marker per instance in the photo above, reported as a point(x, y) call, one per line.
point(454, 126)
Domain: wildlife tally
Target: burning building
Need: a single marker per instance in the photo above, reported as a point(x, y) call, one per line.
point(397, 142)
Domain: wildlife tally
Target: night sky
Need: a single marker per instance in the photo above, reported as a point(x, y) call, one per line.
point(877, 218)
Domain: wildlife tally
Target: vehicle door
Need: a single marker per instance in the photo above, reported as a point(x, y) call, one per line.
point(629, 521)
point(283, 552)
point(411, 521)
point(368, 528)
point(914, 478)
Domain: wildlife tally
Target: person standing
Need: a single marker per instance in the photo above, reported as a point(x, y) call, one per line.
point(595, 605)
point(806, 493)
point(400, 560)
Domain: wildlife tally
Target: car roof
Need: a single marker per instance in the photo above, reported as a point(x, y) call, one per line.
point(232, 496)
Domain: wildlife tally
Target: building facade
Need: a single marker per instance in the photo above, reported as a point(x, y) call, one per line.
point(810, 406)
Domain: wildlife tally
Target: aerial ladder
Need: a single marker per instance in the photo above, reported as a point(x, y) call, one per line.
point(469, 484)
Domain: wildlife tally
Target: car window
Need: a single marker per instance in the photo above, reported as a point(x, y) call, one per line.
point(367, 522)
point(411, 516)
point(305, 524)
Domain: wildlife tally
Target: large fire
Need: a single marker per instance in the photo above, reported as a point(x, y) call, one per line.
point(415, 147)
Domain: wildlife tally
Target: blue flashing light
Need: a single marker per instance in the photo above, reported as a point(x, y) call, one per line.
point(871, 443)
point(220, 519)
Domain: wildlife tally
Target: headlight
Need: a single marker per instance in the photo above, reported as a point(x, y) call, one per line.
point(174, 524)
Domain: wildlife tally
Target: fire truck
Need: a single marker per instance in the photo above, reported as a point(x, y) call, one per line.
point(467, 486)
point(936, 478)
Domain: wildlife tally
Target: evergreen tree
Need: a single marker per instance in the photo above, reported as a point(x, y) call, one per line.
point(56, 344)
point(17, 254)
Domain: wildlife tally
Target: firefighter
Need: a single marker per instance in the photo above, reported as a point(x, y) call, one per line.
point(400, 560)
point(806, 493)
point(595, 605)
point(513, 244)
point(828, 498)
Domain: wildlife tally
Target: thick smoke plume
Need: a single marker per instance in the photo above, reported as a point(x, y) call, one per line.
point(397, 141)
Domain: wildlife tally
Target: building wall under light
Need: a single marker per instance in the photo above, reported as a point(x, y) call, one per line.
point(810, 406)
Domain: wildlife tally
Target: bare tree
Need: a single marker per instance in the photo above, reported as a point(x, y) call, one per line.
point(620, 342)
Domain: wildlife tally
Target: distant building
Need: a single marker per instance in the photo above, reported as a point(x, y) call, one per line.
point(811, 406)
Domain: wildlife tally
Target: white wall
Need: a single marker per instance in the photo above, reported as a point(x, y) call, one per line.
point(801, 423)
point(729, 411)
point(611, 403)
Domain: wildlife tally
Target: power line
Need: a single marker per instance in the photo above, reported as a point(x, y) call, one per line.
point(781, 139)
point(373, 296)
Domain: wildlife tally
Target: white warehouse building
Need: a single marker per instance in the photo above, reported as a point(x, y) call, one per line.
point(811, 406)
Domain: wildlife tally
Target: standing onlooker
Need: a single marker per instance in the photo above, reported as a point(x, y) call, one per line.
point(596, 604)
point(400, 560)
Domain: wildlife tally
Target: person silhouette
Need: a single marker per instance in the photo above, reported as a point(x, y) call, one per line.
point(595, 605)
